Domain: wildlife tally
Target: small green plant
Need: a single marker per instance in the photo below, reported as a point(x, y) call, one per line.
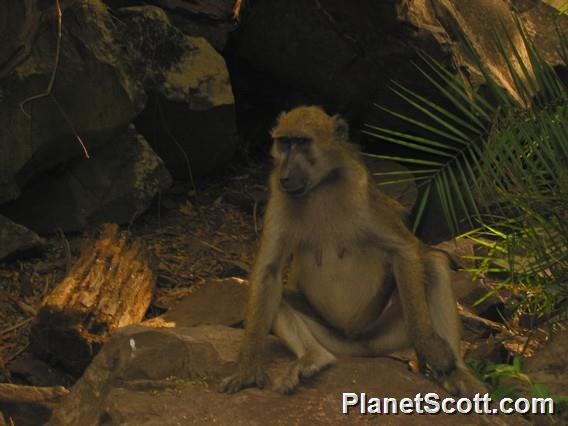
point(509, 381)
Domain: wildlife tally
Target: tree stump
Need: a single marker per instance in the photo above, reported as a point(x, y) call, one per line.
point(110, 286)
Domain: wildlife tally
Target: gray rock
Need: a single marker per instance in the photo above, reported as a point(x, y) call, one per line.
point(345, 54)
point(190, 118)
point(168, 376)
point(116, 185)
point(210, 19)
point(220, 302)
point(93, 97)
point(29, 405)
point(35, 372)
point(16, 239)
point(549, 366)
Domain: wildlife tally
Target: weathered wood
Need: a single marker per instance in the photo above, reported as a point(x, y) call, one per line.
point(110, 286)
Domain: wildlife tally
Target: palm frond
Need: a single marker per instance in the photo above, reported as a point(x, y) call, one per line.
point(498, 165)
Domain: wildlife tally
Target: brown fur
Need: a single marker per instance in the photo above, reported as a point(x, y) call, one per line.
point(370, 285)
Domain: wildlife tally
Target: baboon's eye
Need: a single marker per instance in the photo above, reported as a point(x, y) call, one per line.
point(283, 144)
point(301, 141)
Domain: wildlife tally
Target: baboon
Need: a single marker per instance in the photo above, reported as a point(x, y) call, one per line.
point(362, 283)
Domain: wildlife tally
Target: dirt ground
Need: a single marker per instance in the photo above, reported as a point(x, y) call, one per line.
point(196, 232)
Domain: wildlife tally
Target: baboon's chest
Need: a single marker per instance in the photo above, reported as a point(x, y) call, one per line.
point(345, 284)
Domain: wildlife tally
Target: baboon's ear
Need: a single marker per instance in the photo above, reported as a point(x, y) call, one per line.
point(341, 128)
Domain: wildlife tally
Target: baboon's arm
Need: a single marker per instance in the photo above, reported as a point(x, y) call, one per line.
point(265, 291)
point(265, 294)
point(408, 270)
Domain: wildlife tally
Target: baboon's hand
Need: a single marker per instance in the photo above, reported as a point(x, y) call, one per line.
point(244, 378)
point(436, 352)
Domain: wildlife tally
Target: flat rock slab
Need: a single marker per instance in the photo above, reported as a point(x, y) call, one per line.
point(169, 376)
point(220, 302)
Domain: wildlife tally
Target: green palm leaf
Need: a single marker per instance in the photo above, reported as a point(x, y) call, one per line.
point(498, 165)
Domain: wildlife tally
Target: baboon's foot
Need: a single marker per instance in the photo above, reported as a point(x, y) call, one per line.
point(304, 367)
point(243, 379)
point(435, 352)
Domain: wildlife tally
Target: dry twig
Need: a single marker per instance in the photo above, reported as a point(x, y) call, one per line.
point(488, 323)
point(211, 246)
point(237, 9)
point(15, 326)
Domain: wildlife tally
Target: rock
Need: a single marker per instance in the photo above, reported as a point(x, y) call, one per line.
point(16, 239)
point(554, 3)
point(116, 184)
point(210, 19)
point(36, 373)
point(219, 302)
point(549, 365)
point(535, 15)
point(332, 52)
point(148, 376)
point(92, 97)
point(190, 118)
point(345, 55)
point(29, 405)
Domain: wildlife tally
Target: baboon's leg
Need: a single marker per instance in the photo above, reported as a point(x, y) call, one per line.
point(446, 322)
point(442, 301)
point(390, 335)
point(313, 343)
point(312, 356)
point(392, 332)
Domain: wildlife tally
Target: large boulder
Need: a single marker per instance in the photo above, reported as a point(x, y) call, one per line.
point(116, 184)
point(92, 97)
point(190, 117)
point(345, 55)
point(102, 71)
point(210, 19)
point(168, 376)
point(535, 15)
point(16, 239)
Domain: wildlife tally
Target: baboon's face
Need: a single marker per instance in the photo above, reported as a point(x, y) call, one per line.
point(295, 161)
point(305, 148)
